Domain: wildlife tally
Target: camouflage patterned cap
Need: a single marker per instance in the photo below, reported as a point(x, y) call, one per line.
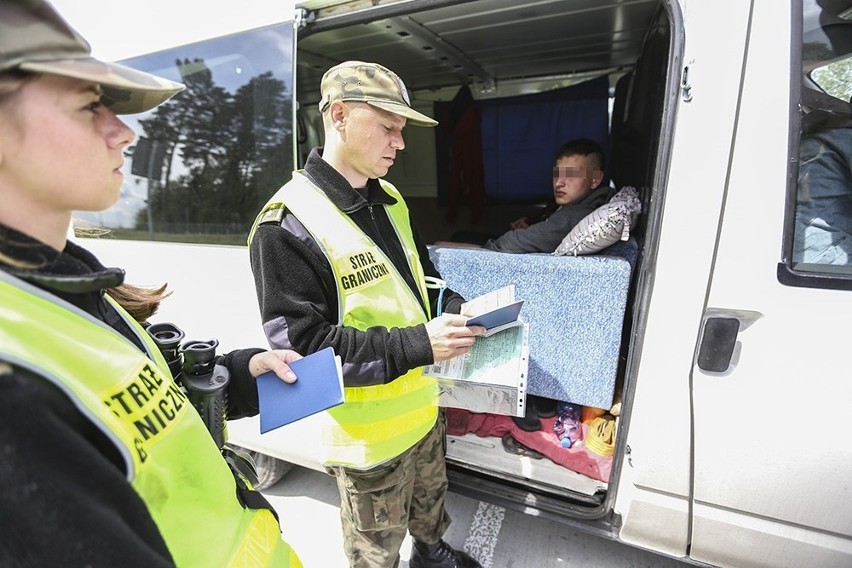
point(35, 38)
point(369, 83)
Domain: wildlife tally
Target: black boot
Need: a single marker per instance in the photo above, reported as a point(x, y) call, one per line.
point(439, 555)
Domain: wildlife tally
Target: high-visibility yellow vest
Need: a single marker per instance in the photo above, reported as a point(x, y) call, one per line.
point(171, 460)
point(375, 423)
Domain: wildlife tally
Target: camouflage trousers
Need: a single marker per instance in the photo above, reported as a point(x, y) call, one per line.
point(378, 506)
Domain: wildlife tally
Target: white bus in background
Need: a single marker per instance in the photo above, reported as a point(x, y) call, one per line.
point(731, 447)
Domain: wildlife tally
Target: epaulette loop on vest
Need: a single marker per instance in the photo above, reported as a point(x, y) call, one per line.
point(273, 213)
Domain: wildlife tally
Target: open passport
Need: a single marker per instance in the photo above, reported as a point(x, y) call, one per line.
point(493, 313)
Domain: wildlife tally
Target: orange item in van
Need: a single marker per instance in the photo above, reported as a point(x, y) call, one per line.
point(589, 413)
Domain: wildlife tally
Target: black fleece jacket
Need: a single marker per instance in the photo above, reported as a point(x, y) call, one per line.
point(298, 296)
point(65, 500)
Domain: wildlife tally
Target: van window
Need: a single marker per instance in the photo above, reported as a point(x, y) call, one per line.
point(206, 161)
point(822, 223)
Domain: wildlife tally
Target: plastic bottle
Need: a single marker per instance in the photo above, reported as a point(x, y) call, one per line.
point(567, 426)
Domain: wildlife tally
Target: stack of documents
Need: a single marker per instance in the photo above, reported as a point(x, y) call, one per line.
point(492, 376)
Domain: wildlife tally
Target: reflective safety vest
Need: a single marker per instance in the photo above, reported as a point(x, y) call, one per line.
point(171, 460)
point(375, 423)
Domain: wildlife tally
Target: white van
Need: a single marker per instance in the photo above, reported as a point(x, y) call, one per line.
point(732, 444)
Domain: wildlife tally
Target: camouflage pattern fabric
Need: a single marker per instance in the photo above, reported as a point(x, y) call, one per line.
point(125, 90)
point(369, 83)
point(35, 38)
point(379, 505)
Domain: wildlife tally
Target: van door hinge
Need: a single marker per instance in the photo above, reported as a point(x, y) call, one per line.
point(303, 17)
point(685, 87)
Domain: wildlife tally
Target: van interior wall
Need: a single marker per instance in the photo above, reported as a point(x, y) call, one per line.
point(517, 139)
point(636, 135)
point(638, 115)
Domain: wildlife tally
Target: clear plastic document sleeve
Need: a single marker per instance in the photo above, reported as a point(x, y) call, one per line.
point(491, 377)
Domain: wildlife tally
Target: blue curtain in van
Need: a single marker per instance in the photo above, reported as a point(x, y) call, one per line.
point(521, 135)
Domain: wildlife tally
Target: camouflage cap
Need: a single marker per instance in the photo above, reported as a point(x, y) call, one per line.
point(369, 83)
point(35, 38)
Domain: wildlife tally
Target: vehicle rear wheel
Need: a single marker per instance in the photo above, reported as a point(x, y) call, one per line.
point(270, 470)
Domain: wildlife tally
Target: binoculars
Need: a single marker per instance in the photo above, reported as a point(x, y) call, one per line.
point(193, 366)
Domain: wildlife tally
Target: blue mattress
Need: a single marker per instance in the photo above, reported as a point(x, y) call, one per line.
point(574, 306)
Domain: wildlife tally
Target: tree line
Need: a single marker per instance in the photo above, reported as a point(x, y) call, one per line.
point(213, 157)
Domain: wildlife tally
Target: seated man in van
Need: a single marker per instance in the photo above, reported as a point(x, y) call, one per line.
point(577, 191)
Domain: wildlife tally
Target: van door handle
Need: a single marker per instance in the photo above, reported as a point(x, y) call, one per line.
point(717, 343)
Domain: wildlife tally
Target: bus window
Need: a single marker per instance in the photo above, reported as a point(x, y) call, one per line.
point(205, 162)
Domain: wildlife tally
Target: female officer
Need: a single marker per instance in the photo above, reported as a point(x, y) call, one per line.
point(102, 460)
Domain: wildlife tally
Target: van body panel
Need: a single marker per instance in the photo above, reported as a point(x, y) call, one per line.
point(763, 430)
point(659, 434)
point(654, 520)
point(758, 542)
point(203, 297)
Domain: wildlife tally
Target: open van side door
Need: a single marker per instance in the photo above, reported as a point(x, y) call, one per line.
point(771, 465)
point(654, 483)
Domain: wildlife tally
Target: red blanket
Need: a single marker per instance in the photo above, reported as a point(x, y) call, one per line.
point(577, 458)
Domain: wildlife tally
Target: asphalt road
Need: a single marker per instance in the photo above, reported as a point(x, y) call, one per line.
point(308, 505)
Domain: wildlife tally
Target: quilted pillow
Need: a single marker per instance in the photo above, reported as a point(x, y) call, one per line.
point(604, 226)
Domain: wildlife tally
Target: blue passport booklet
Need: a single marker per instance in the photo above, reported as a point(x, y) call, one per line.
point(497, 320)
point(318, 387)
point(495, 311)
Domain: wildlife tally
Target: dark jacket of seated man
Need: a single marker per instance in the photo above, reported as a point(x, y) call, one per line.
point(546, 235)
